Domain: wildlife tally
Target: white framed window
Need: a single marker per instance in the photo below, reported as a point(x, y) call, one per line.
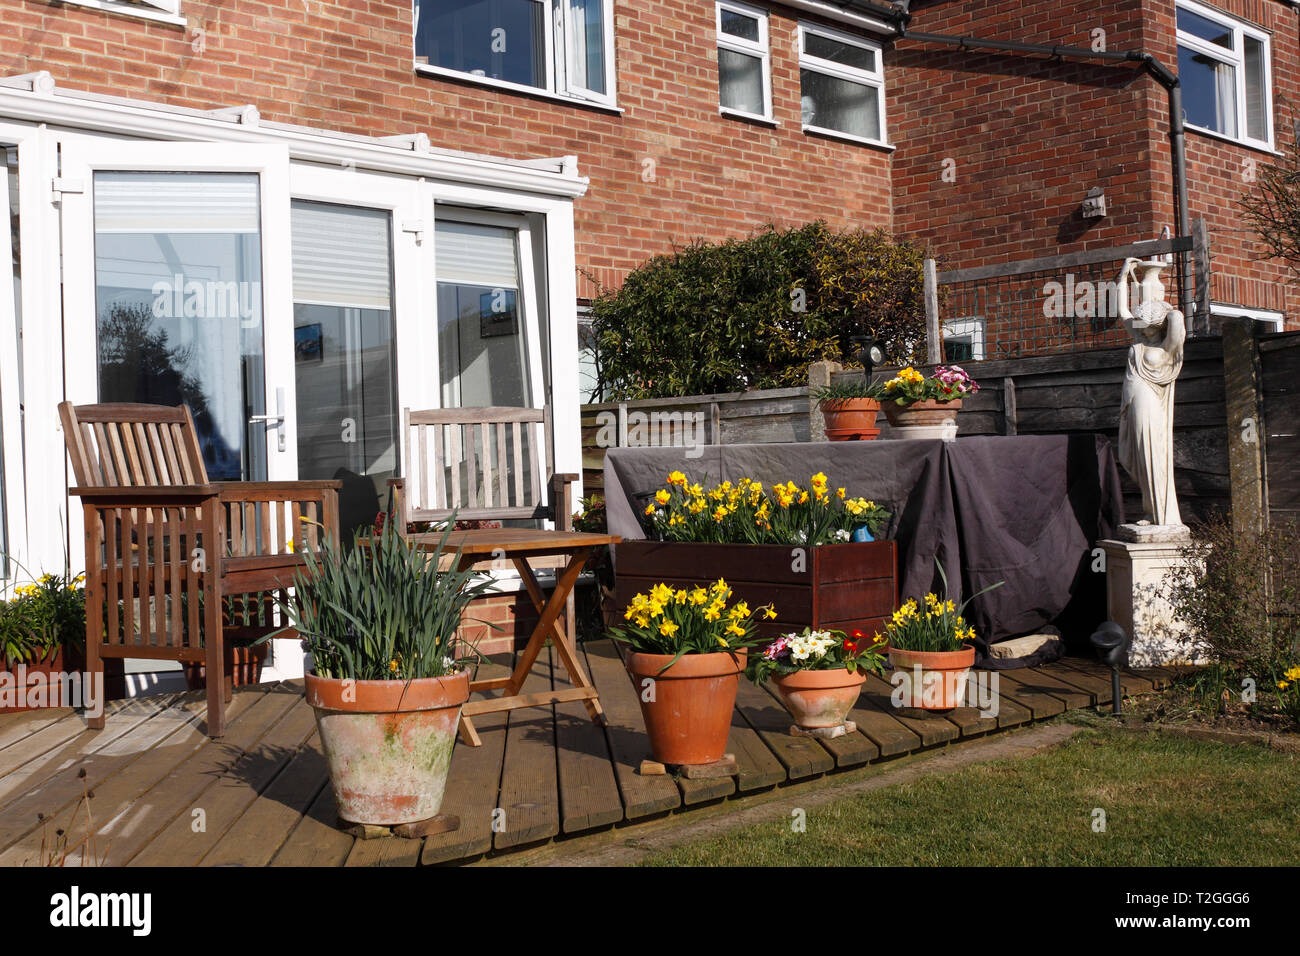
point(744, 61)
point(1268, 320)
point(165, 11)
point(841, 85)
point(1224, 69)
point(559, 48)
point(963, 340)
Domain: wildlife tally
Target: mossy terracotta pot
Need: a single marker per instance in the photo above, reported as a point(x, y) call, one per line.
point(687, 708)
point(928, 412)
point(388, 743)
point(931, 680)
point(850, 419)
point(819, 699)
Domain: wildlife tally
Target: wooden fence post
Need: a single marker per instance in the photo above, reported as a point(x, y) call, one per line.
point(1201, 276)
point(1241, 388)
point(933, 335)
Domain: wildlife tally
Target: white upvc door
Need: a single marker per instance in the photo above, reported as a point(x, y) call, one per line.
point(177, 288)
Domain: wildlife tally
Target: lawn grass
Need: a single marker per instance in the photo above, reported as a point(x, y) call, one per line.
point(1167, 801)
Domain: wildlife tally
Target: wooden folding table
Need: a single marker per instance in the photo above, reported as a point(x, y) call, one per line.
point(518, 545)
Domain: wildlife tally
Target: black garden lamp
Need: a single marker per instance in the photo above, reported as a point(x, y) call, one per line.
point(867, 351)
point(1111, 644)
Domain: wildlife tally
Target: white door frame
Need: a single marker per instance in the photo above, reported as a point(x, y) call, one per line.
point(82, 157)
point(14, 535)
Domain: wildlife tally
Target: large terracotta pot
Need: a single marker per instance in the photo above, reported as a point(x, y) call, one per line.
point(687, 709)
point(819, 699)
point(850, 419)
point(388, 743)
point(932, 680)
point(246, 667)
point(928, 412)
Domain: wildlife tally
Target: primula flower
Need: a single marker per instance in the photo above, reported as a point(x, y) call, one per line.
point(663, 496)
point(677, 478)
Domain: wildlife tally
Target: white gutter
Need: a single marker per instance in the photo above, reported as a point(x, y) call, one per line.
point(35, 100)
point(841, 15)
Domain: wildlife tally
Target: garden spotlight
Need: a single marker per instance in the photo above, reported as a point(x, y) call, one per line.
point(1111, 644)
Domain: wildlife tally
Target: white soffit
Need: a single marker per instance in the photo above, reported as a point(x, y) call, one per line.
point(832, 11)
point(34, 98)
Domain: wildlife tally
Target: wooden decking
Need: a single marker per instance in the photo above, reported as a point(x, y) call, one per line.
point(163, 793)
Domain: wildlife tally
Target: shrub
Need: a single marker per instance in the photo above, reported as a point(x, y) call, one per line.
point(755, 312)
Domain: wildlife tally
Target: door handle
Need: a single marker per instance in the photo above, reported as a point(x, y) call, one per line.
point(276, 420)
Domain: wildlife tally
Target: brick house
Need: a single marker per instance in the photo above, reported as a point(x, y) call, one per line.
point(528, 152)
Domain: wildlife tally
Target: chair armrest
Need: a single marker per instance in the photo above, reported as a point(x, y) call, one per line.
point(142, 496)
point(562, 500)
point(273, 490)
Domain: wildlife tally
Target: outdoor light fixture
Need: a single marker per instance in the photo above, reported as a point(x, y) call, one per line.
point(867, 352)
point(1111, 644)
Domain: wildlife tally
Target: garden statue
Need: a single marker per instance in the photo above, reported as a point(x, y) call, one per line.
point(1146, 418)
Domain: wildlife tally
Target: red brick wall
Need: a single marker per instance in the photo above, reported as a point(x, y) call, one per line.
point(1027, 138)
point(347, 65)
point(499, 624)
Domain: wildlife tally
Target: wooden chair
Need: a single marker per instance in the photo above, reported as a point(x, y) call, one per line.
point(177, 565)
point(483, 463)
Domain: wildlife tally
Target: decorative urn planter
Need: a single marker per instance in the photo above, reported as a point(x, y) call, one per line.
point(850, 419)
point(687, 708)
point(932, 680)
point(388, 743)
point(819, 699)
point(929, 413)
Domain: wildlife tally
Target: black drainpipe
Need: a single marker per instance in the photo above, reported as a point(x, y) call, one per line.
point(901, 17)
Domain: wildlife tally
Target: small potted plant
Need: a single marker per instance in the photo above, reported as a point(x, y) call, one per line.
point(910, 399)
point(849, 408)
point(689, 649)
point(42, 630)
point(818, 674)
point(929, 650)
point(380, 621)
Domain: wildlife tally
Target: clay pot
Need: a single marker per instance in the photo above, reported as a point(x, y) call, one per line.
point(687, 709)
point(928, 412)
point(850, 419)
point(245, 665)
point(818, 699)
point(932, 680)
point(388, 743)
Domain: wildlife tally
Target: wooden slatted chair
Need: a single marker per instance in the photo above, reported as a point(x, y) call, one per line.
point(176, 566)
point(483, 463)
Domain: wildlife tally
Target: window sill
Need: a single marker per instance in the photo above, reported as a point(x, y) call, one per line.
point(1244, 144)
point(747, 117)
point(507, 87)
point(130, 10)
point(848, 138)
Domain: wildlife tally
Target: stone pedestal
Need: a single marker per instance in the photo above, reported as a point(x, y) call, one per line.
point(945, 432)
point(1136, 573)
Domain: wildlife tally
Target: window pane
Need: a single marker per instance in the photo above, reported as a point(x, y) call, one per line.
point(343, 349)
point(1209, 92)
point(1256, 84)
point(178, 290)
point(501, 39)
point(1206, 29)
point(481, 333)
point(833, 103)
point(738, 25)
point(740, 82)
point(587, 27)
point(845, 53)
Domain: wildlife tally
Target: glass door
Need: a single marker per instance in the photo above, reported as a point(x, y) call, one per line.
point(174, 292)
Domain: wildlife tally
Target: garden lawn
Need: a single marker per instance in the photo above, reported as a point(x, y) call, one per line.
point(1167, 801)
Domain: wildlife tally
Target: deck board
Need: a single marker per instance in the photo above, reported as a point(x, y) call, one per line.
point(265, 792)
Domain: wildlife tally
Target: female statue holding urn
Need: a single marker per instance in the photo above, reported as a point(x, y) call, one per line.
point(1146, 418)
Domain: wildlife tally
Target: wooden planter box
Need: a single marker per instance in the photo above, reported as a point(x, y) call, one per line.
point(64, 660)
point(841, 586)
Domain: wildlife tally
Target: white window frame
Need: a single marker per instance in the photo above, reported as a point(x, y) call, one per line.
point(559, 55)
point(1270, 317)
point(875, 80)
point(1236, 58)
point(163, 11)
point(971, 327)
point(760, 49)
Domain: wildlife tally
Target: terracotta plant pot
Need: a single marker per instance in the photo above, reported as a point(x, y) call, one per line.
point(932, 680)
point(22, 675)
point(819, 699)
point(388, 743)
point(687, 709)
point(850, 419)
point(246, 667)
point(929, 413)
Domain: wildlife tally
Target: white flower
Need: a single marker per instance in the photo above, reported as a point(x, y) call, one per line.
point(842, 535)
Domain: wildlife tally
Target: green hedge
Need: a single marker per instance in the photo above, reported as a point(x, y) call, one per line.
point(754, 313)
